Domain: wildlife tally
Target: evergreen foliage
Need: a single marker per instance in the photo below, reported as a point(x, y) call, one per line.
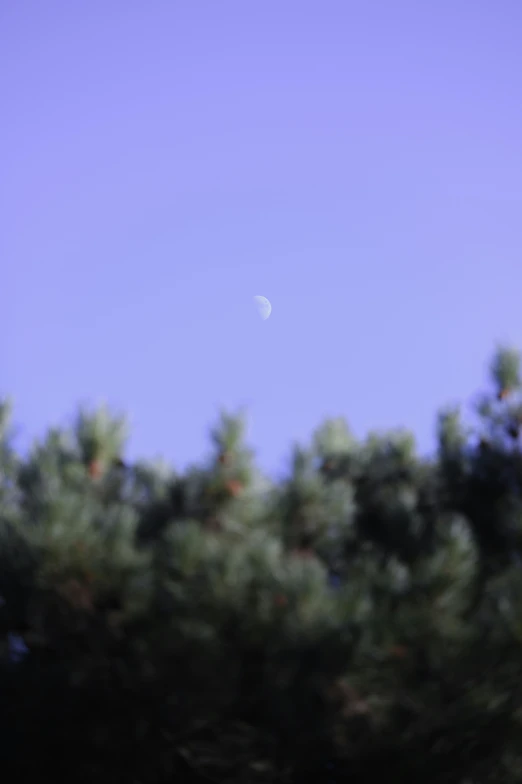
point(359, 617)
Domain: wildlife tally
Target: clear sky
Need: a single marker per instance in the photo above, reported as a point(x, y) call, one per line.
point(358, 163)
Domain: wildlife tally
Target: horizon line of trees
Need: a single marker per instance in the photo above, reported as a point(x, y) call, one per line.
point(359, 616)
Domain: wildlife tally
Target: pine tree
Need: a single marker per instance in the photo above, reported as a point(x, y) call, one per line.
point(358, 617)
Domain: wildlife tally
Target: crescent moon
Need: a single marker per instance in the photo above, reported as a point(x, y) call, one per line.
point(264, 308)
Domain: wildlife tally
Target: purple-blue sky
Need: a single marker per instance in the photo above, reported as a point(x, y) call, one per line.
point(359, 163)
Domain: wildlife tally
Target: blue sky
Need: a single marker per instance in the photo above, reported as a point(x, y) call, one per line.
point(357, 163)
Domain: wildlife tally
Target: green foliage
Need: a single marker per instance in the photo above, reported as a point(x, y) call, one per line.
point(505, 369)
point(363, 612)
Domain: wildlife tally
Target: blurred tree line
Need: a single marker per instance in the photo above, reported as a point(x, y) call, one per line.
point(361, 616)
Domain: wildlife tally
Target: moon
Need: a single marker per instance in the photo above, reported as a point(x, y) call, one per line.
point(264, 308)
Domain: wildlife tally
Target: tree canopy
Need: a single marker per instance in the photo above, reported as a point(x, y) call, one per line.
point(360, 616)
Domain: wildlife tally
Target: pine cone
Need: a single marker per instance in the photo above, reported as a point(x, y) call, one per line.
point(304, 552)
point(234, 487)
point(399, 651)
point(95, 469)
